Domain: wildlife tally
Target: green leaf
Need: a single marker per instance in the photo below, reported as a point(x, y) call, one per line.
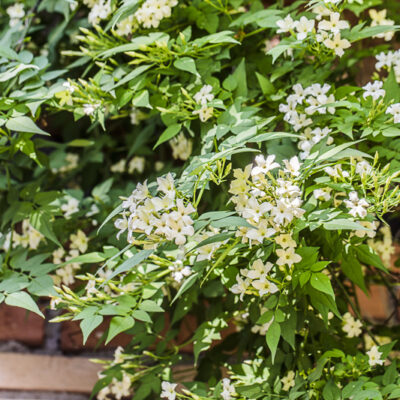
point(42, 222)
point(241, 79)
point(150, 306)
point(132, 75)
point(87, 258)
point(80, 143)
point(131, 262)
point(368, 257)
point(23, 300)
point(118, 325)
point(265, 84)
point(186, 286)
point(353, 270)
point(289, 329)
point(233, 221)
point(141, 315)
point(369, 31)
point(142, 100)
point(344, 224)
point(322, 283)
point(186, 64)
point(89, 324)
point(24, 124)
point(115, 212)
point(168, 134)
point(42, 286)
point(272, 337)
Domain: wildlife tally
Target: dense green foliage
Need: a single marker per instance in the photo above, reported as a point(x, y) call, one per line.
point(224, 165)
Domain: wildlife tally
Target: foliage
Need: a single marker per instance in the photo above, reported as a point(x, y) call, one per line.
point(219, 164)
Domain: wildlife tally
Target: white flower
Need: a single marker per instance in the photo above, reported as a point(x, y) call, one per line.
point(152, 12)
point(351, 326)
point(204, 95)
point(179, 271)
point(384, 60)
point(304, 26)
point(337, 44)
point(168, 390)
point(323, 194)
point(16, 13)
point(241, 286)
point(69, 87)
point(57, 255)
point(79, 241)
point(204, 113)
point(100, 10)
point(89, 109)
point(358, 207)
point(374, 356)
point(287, 257)
point(119, 167)
point(394, 110)
point(363, 167)
point(374, 90)
point(285, 25)
point(292, 166)
point(259, 269)
point(181, 147)
point(264, 286)
point(71, 207)
point(136, 164)
point(285, 240)
point(125, 27)
point(334, 24)
point(264, 165)
point(288, 381)
point(263, 231)
point(121, 389)
point(336, 171)
point(228, 390)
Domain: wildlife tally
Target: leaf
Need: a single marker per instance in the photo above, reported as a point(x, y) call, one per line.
point(241, 79)
point(357, 34)
point(132, 75)
point(219, 237)
point(141, 315)
point(278, 51)
point(118, 325)
point(265, 84)
point(114, 212)
point(233, 221)
point(335, 151)
point(131, 262)
point(42, 222)
point(186, 286)
point(42, 286)
point(322, 283)
point(150, 306)
point(94, 257)
point(368, 257)
point(80, 143)
point(24, 124)
point(142, 100)
point(344, 224)
point(272, 337)
point(23, 300)
point(186, 64)
point(89, 324)
point(168, 134)
point(353, 270)
point(289, 329)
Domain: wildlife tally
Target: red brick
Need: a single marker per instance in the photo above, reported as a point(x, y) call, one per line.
point(21, 325)
point(377, 305)
point(72, 339)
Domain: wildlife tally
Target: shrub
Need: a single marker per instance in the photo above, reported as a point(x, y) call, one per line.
point(226, 163)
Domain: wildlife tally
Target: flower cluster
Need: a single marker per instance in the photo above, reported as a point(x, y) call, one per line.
point(161, 217)
point(71, 162)
point(100, 10)
point(181, 147)
point(118, 389)
point(152, 12)
point(202, 98)
point(384, 247)
point(29, 238)
point(378, 19)
point(389, 60)
point(78, 245)
point(255, 279)
point(16, 12)
point(326, 31)
point(269, 205)
point(135, 164)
